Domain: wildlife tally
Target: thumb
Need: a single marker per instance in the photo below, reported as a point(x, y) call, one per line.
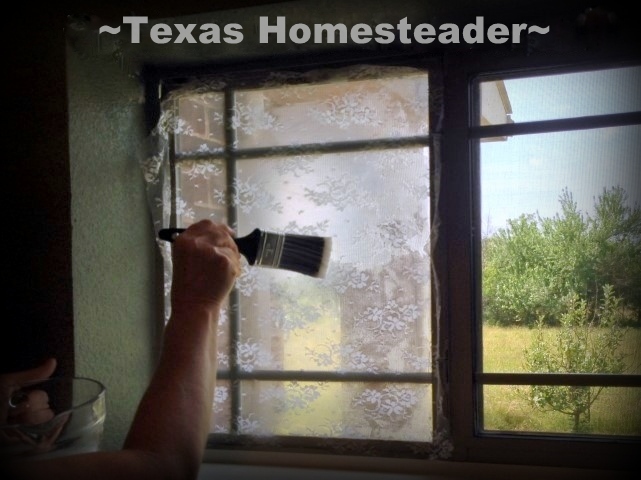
point(44, 370)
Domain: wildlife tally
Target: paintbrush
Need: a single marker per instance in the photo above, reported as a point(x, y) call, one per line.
point(306, 254)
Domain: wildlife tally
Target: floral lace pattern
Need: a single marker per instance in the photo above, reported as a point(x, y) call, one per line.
point(335, 153)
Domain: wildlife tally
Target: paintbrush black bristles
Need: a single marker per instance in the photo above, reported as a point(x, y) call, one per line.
point(306, 254)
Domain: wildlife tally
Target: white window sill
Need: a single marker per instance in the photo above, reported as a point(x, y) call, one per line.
point(211, 471)
point(253, 466)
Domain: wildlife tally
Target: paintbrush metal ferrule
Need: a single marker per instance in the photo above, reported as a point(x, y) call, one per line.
point(270, 249)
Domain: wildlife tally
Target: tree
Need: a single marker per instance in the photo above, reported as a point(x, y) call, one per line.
point(616, 230)
point(534, 264)
point(587, 342)
point(564, 271)
point(517, 284)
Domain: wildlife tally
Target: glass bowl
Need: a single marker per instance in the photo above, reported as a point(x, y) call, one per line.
point(52, 417)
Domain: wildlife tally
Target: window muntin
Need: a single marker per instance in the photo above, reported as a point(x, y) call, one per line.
point(342, 157)
point(523, 176)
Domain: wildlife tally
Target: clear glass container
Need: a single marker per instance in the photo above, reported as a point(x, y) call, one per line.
point(52, 417)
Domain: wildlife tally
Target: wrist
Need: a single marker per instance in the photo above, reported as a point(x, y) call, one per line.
point(186, 310)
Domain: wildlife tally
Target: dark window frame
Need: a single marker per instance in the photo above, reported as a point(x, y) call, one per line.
point(456, 251)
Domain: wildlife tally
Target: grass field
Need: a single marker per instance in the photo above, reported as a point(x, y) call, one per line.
point(616, 411)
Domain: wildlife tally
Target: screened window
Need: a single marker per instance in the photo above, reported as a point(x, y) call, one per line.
point(340, 153)
point(560, 245)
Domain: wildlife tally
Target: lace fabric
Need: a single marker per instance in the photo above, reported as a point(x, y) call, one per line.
point(345, 361)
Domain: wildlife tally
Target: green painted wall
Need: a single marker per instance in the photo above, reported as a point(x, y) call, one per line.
point(112, 239)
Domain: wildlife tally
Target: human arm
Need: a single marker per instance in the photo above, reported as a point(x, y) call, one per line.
point(169, 431)
point(206, 262)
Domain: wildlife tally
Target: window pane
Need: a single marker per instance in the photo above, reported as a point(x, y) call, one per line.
point(561, 96)
point(221, 418)
point(344, 410)
point(514, 349)
point(557, 409)
point(562, 252)
point(372, 312)
point(199, 124)
point(368, 109)
point(198, 183)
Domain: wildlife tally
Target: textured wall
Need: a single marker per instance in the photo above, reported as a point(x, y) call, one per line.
point(112, 239)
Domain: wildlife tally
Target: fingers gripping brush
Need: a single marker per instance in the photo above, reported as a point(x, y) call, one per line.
point(306, 254)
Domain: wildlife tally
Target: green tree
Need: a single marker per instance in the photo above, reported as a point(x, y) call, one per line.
point(616, 230)
point(534, 264)
point(587, 341)
point(517, 284)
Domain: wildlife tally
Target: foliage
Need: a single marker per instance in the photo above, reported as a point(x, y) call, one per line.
point(533, 265)
point(588, 342)
point(508, 407)
point(564, 271)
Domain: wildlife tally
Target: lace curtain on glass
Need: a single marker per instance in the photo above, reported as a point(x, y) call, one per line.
point(339, 153)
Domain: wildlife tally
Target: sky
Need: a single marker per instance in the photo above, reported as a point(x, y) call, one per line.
point(528, 173)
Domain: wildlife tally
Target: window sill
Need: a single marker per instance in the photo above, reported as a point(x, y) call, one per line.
point(234, 465)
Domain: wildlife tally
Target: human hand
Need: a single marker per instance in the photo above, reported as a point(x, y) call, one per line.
point(206, 262)
point(31, 407)
point(22, 407)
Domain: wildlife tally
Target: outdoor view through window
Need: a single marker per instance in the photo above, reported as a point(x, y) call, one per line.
point(561, 253)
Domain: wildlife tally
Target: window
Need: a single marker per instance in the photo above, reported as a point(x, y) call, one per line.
point(560, 219)
point(492, 168)
point(413, 345)
point(344, 361)
point(561, 222)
